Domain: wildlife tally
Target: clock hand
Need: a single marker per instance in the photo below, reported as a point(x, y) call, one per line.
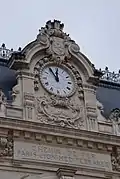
point(57, 78)
point(53, 74)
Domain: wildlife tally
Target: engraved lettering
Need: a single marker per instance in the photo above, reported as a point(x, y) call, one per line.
point(63, 155)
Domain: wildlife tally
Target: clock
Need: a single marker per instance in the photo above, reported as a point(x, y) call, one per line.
point(57, 79)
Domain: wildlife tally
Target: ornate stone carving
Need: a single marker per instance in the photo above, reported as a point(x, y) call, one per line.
point(115, 159)
point(76, 73)
point(2, 97)
point(115, 115)
point(100, 110)
point(15, 91)
point(60, 44)
point(59, 111)
point(6, 146)
point(3, 101)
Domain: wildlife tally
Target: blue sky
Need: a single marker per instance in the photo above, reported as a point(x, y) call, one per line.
point(93, 24)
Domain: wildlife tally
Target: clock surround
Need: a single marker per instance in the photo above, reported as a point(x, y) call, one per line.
point(57, 79)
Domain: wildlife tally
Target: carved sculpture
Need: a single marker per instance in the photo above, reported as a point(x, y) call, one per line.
point(115, 159)
point(6, 146)
point(115, 115)
point(100, 110)
point(60, 44)
point(59, 111)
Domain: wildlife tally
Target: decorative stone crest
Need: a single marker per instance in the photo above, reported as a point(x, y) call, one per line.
point(60, 44)
point(59, 111)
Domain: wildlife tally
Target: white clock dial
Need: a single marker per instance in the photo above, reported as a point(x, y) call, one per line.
point(57, 80)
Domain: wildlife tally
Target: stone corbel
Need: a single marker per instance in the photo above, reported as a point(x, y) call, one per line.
point(67, 173)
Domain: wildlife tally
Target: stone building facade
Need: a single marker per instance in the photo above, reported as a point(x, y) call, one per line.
point(59, 115)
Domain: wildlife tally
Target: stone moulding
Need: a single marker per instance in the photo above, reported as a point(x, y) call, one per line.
point(35, 127)
point(8, 136)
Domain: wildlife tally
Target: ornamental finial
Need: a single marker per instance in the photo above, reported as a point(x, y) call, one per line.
point(56, 24)
point(53, 28)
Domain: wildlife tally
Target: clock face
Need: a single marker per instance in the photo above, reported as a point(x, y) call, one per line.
point(57, 80)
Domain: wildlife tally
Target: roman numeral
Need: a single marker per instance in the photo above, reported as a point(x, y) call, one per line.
point(45, 78)
point(68, 88)
point(51, 89)
point(46, 83)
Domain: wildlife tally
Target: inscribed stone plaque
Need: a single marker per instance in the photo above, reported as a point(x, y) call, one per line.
point(16, 113)
point(61, 155)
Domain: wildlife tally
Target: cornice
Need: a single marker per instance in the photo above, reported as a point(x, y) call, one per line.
point(29, 127)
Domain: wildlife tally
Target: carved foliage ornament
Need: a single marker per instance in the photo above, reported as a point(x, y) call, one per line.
point(59, 111)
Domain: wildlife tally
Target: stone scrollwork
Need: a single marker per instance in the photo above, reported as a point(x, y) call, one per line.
point(59, 111)
point(6, 146)
point(74, 48)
